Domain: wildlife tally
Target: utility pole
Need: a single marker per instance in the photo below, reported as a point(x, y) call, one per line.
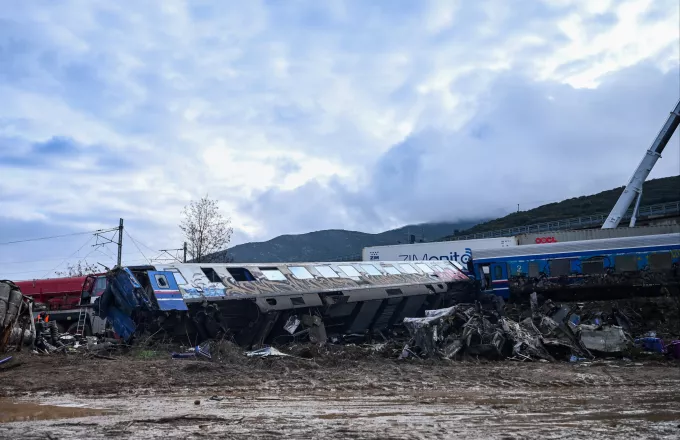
point(120, 242)
point(184, 260)
point(103, 240)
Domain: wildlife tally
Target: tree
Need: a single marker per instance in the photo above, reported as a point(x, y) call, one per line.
point(79, 269)
point(207, 232)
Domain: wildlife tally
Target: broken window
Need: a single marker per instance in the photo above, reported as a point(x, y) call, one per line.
point(212, 275)
point(660, 261)
point(424, 267)
point(371, 269)
point(301, 273)
point(326, 271)
point(350, 271)
point(240, 274)
point(272, 274)
point(560, 267)
point(626, 263)
point(407, 268)
point(391, 270)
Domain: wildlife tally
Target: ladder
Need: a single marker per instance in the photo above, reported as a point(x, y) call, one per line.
point(82, 319)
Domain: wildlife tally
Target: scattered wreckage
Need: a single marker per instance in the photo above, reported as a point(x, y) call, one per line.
point(549, 332)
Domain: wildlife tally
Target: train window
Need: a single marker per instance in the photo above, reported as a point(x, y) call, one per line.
point(391, 270)
point(272, 274)
point(350, 271)
point(301, 273)
point(560, 267)
point(326, 271)
point(407, 268)
point(498, 273)
point(660, 261)
point(424, 267)
point(626, 263)
point(212, 275)
point(179, 278)
point(100, 285)
point(371, 269)
point(240, 274)
point(458, 265)
point(534, 269)
point(161, 281)
point(592, 267)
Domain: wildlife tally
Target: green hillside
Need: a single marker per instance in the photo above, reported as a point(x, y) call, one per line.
point(655, 191)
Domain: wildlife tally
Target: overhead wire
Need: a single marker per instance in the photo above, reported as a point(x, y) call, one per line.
point(135, 243)
point(55, 236)
point(70, 256)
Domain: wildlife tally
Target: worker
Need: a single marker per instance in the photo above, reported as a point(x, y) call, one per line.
point(43, 317)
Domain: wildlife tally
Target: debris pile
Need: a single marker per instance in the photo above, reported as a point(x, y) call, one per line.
point(15, 316)
point(546, 332)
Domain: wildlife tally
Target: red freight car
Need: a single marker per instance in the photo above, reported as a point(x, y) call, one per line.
point(62, 298)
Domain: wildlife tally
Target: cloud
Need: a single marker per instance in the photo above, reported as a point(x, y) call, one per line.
point(304, 115)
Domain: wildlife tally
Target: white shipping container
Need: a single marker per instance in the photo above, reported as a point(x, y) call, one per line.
point(459, 251)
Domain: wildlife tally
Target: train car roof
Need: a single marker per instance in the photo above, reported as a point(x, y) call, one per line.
point(607, 244)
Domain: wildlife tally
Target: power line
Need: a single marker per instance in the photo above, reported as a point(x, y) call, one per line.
point(109, 255)
point(135, 243)
point(55, 236)
point(69, 257)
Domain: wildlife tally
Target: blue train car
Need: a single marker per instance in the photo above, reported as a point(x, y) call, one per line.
point(615, 267)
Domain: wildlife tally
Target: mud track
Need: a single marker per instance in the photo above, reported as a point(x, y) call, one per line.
point(146, 395)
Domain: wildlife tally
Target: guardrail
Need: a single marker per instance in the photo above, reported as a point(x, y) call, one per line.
point(661, 210)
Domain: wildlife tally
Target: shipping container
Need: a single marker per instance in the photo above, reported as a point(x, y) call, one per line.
point(459, 251)
point(593, 234)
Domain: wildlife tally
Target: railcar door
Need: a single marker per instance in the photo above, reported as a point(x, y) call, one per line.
point(499, 279)
point(166, 290)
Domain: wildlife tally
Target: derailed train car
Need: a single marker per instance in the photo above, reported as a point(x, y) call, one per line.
point(263, 303)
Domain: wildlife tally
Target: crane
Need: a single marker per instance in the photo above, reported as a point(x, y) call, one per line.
point(634, 187)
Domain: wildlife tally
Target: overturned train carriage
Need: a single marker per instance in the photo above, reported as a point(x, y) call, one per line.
point(257, 303)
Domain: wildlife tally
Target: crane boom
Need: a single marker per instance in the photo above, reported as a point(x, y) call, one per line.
point(634, 187)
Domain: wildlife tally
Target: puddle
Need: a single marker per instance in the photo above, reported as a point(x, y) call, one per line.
point(13, 411)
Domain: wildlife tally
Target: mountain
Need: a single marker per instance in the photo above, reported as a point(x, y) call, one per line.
point(335, 244)
point(339, 244)
point(655, 191)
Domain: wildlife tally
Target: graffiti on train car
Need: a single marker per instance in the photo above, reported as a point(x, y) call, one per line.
point(199, 286)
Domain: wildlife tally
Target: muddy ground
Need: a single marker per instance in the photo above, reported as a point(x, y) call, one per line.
point(344, 393)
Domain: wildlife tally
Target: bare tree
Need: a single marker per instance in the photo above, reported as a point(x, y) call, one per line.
point(78, 270)
point(207, 232)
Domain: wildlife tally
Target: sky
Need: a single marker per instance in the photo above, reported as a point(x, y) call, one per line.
point(303, 115)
